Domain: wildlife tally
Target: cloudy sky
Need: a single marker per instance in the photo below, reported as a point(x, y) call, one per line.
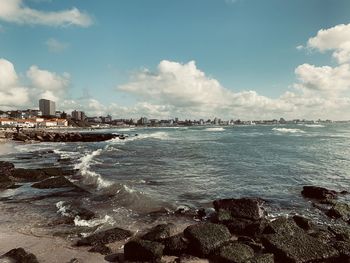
point(247, 59)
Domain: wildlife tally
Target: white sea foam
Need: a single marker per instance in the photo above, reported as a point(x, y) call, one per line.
point(288, 130)
point(62, 209)
point(160, 135)
point(314, 126)
point(90, 176)
point(215, 129)
point(94, 222)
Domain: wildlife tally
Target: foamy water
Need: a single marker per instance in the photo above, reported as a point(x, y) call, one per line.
point(162, 169)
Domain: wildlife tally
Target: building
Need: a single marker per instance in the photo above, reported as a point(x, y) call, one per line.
point(78, 115)
point(47, 107)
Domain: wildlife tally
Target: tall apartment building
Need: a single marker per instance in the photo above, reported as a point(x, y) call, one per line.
point(78, 115)
point(47, 107)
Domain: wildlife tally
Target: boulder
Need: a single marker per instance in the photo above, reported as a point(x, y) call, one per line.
point(19, 255)
point(283, 226)
point(344, 250)
point(102, 249)
point(239, 226)
point(339, 210)
point(248, 208)
point(175, 245)
point(302, 222)
point(28, 175)
point(20, 137)
point(205, 238)
point(105, 237)
point(316, 192)
point(299, 247)
point(143, 250)
point(263, 258)
point(74, 209)
point(233, 252)
point(341, 233)
point(159, 232)
point(54, 182)
point(6, 169)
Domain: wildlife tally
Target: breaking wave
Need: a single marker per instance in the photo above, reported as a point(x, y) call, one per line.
point(91, 177)
point(314, 126)
point(288, 130)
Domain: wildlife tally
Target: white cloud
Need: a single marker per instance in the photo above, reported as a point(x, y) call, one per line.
point(15, 11)
point(48, 85)
point(324, 79)
point(12, 94)
point(55, 45)
point(336, 39)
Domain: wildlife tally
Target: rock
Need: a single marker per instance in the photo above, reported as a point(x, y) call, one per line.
point(344, 250)
point(263, 258)
point(341, 233)
point(74, 209)
point(339, 210)
point(298, 247)
point(117, 257)
point(302, 222)
point(20, 137)
point(102, 249)
point(175, 245)
point(159, 232)
point(233, 252)
point(143, 250)
point(19, 255)
point(246, 227)
point(248, 208)
point(190, 259)
point(105, 237)
point(6, 169)
point(282, 225)
point(54, 182)
point(205, 238)
point(316, 192)
point(35, 175)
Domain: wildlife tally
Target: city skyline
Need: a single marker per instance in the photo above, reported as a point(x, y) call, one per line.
point(191, 59)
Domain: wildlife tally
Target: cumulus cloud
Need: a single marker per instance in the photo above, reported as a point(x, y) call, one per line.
point(12, 94)
point(55, 45)
point(336, 39)
point(15, 11)
point(49, 85)
point(326, 79)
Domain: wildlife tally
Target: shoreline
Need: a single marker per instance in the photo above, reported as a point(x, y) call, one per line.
point(240, 226)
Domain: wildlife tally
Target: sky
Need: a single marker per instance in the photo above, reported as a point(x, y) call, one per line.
point(232, 59)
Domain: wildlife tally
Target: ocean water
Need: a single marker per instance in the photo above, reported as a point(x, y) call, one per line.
point(167, 168)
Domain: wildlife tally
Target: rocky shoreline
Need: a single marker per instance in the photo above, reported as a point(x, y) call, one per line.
point(46, 136)
point(238, 231)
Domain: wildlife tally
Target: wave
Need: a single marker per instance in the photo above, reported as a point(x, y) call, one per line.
point(91, 177)
point(314, 126)
point(288, 130)
point(215, 129)
point(155, 135)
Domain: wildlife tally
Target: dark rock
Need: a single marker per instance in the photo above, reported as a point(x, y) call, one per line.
point(222, 216)
point(341, 233)
point(298, 247)
point(6, 169)
point(117, 257)
point(316, 192)
point(323, 235)
point(233, 252)
point(105, 237)
point(302, 222)
point(102, 249)
point(159, 232)
point(205, 238)
point(249, 208)
point(74, 209)
point(339, 210)
point(29, 175)
point(264, 258)
point(21, 137)
point(143, 250)
point(282, 225)
point(54, 182)
point(246, 227)
point(19, 255)
point(175, 245)
point(344, 250)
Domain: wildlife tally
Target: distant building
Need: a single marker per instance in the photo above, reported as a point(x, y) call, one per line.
point(142, 121)
point(78, 115)
point(47, 107)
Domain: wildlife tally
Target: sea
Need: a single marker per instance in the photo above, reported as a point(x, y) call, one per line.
point(166, 169)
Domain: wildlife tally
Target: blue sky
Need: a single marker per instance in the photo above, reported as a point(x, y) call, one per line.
point(246, 45)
